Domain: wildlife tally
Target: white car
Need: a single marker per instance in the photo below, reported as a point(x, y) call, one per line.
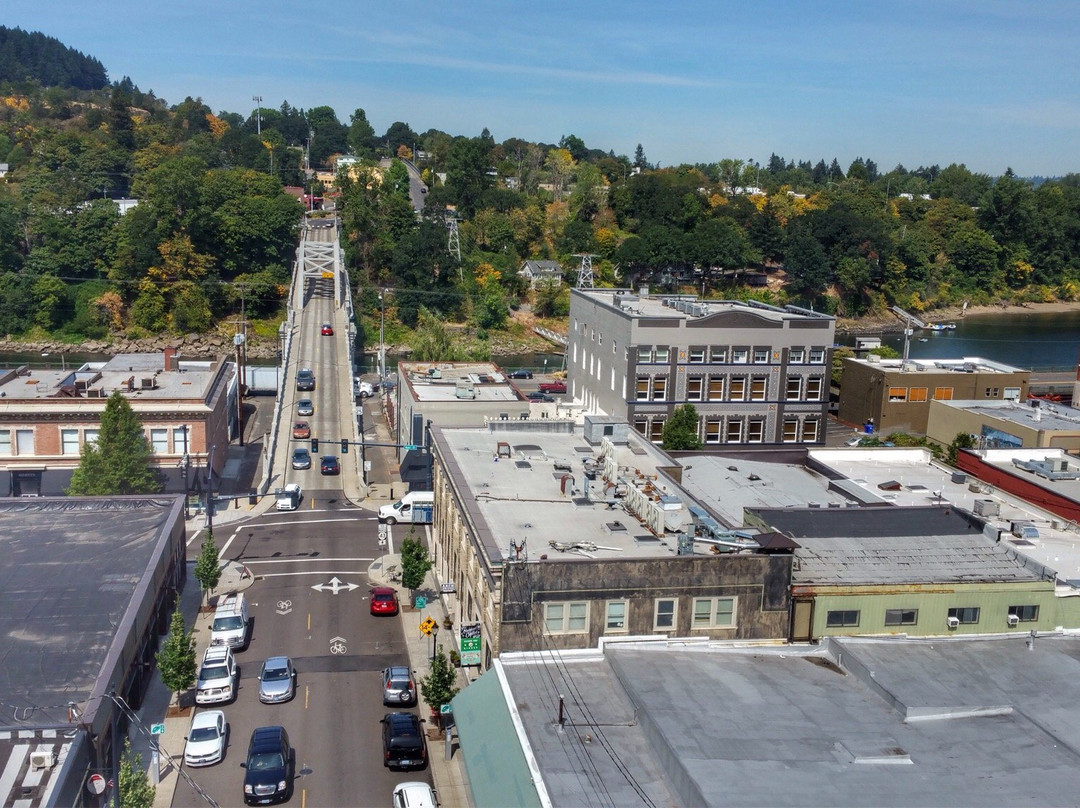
point(219, 677)
point(206, 739)
point(288, 498)
point(414, 794)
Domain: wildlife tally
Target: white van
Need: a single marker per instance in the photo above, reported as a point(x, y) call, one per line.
point(417, 507)
point(230, 626)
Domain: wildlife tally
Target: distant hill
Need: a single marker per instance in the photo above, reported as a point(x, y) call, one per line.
point(26, 56)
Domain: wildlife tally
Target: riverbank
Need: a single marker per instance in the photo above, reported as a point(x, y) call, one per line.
point(891, 324)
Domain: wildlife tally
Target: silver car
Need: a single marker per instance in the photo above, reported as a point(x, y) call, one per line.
point(398, 686)
point(277, 680)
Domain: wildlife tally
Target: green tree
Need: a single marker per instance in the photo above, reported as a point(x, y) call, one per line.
point(438, 687)
point(361, 136)
point(432, 341)
point(963, 440)
point(119, 461)
point(176, 659)
point(134, 786)
point(681, 429)
point(208, 566)
point(415, 563)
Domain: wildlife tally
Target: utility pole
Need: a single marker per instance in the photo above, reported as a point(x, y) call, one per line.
point(382, 336)
point(210, 491)
point(258, 113)
point(585, 274)
point(187, 465)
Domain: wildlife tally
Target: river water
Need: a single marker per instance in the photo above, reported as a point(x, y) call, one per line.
point(1046, 341)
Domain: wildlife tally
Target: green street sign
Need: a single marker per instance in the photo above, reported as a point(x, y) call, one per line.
point(157, 729)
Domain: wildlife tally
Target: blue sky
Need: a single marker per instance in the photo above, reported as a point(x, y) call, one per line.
point(987, 83)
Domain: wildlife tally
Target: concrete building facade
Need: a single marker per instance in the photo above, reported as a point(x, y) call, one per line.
point(756, 374)
point(1032, 424)
point(895, 395)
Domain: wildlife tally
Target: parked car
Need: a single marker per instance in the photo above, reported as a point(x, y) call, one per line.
point(365, 389)
point(270, 765)
point(329, 465)
point(277, 680)
point(557, 386)
point(327, 330)
point(206, 739)
point(414, 794)
point(398, 686)
point(305, 379)
point(231, 622)
point(219, 678)
point(301, 430)
point(403, 741)
point(536, 395)
point(305, 407)
point(521, 374)
point(384, 600)
point(301, 458)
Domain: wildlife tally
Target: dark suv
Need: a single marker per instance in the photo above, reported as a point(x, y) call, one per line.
point(403, 741)
point(270, 766)
point(305, 379)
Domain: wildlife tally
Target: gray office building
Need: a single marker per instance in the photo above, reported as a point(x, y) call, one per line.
point(756, 374)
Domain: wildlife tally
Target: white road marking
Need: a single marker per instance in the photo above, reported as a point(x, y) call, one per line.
point(319, 560)
point(311, 572)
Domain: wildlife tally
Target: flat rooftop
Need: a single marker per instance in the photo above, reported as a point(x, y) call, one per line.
point(524, 497)
point(1045, 416)
point(688, 307)
point(139, 376)
point(967, 364)
point(887, 722)
point(71, 567)
point(438, 381)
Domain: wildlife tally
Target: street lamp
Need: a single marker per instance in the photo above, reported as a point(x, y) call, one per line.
point(382, 338)
point(187, 462)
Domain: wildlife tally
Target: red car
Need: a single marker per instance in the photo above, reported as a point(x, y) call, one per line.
point(301, 430)
point(384, 600)
point(327, 330)
point(557, 386)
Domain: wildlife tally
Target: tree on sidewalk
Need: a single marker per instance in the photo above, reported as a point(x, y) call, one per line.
point(119, 461)
point(176, 659)
point(438, 686)
point(134, 786)
point(208, 565)
point(415, 563)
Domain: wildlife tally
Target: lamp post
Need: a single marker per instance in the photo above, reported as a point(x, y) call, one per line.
point(210, 492)
point(382, 338)
point(434, 637)
point(187, 463)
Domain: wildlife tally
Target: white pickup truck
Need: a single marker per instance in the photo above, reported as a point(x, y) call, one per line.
point(288, 498)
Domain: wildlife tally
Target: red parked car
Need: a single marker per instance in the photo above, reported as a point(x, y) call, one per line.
point(384, 600)
point(557, 386)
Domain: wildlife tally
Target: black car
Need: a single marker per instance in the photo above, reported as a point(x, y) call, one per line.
point(330, 465)
point(403, 741)
point(521, 374)
point(270, 766)
point(305, 379)
point(536, 395)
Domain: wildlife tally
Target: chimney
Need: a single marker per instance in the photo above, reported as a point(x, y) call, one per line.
point(171, 359)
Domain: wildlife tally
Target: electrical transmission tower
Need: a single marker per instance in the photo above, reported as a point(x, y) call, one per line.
point(454, 243)
point(585, 274)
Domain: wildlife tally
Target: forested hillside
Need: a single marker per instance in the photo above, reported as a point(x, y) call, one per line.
point(213, 225)
point(34, 56)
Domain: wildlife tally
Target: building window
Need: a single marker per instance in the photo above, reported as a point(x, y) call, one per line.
point(712, 430)
point(614, 346)
point(665, 614)
point(755, 430)
point(656, 430)
point(659, 388)
point(69, 441)
point(644, 355)
point(642, 388)
point(817, 356)
point(5, 441)
point(641, 424)
point(761, 356)
point(758, 386)
point(662, 355)
point(24, 441)
point(943, 394)
point(739, 355)
point(842, 618)
point(809, 430)
point(697, 355)
point(738, 389)
point(718, 353)
point(734, 431)
point(897, 394)
point(695, 388)
point(1027, 614)
point(791, 430)
point(90, 436)
point(566, 618)
point(917, 394)
point(965, 614)
point(181, 440)
point(901, 617)
point(796, 356)
point(716, 388)
point(714, 613)
point(794, 388)
point(813, 388)
point(992, 392)
point(615, 616)
point(159, 441)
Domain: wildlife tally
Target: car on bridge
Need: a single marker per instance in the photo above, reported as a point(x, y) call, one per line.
point(305, 379)
point(327, 330)
point(301, 458)
point(305, 407)
point(301, 430)
point(329, 465)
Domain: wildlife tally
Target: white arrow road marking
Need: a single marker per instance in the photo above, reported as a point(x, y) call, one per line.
point(336, 586)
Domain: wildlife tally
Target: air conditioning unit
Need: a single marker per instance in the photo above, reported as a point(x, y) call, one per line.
point(42, 760)
point(1013, 619)
point(952, 622)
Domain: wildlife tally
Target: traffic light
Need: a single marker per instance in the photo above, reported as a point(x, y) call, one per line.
point(315, 444)
point(344, 446)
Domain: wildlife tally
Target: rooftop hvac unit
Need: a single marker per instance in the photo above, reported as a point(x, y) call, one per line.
point(147, 383)
point(42, 760)
point(952, 622)
point(873, 358)
point(987, 507)
point(1013, 619)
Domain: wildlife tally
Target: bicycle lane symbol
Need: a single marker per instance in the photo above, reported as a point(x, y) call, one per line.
point(337, 646)
point(284, 606)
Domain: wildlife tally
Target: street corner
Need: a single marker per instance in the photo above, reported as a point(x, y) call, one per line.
point(235, 577)
point(385, 571)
